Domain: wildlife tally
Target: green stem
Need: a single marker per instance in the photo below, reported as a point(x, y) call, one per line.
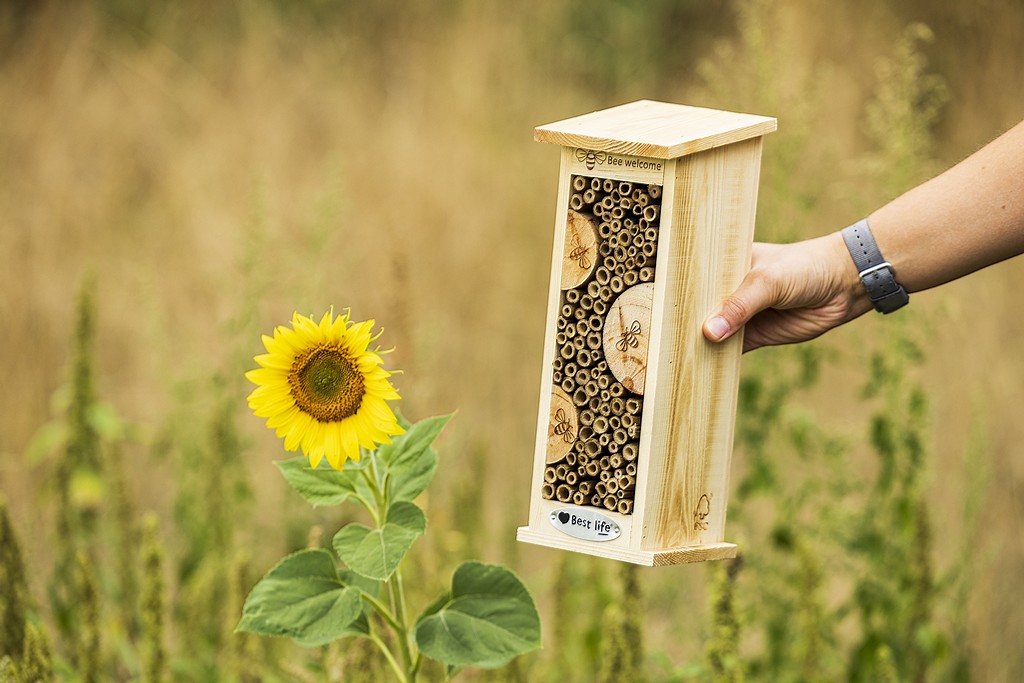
point(390, 657)
point(383, 611)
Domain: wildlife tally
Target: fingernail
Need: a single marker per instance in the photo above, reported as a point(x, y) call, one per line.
point(718, 327)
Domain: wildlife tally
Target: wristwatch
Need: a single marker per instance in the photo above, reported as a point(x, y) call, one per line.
point(877, 274)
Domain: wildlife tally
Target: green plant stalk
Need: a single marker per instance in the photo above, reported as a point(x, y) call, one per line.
point(396, 617)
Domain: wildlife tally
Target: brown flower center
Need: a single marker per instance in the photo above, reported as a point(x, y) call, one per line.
point(326, 384)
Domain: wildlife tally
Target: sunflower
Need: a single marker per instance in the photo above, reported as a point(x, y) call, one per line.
point(323, 389)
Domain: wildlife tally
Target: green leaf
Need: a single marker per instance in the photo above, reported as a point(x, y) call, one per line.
point(323, 486)
point(409, 460)
point(376, 553)
point(303, 597)
point(487, 618)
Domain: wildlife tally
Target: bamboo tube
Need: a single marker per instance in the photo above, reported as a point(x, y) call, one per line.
point(579, 343)
point(589, 197)
point(602, 366)
point(593, 449)
point(587, 416)
point(627, 420)
point(654, 191)
point(567, 310)
point(595, 323)
point(600, 307)
point(626, 481)
point(626, 204)
point(598, 212)
point(570, 458)
point(604, 439)
point(605, 462)
point(582, 327)
point(549, 474)
point(625, 507)
point(620, 271)
point(620, 436)
point(625, 188)
point(631, 252)
point(579, 314)
point(569, 331)
point(558, 363)
point(572, 295)
point(631, 469)
point(616, 284)
point(563, 493)
point(607, 203)
point(630, 277)
point(592, 389)
point(596, 184)
point(613, 421)
point(651, 235)
point(601, 276)
point(606, 395)
point(613, 447)
point(620, 253)
point(639, 239)
point(603, 381)
point(649, 249)
point(643, 223)
point(591, 343)
point(576, 202)
point(568, 386)
point(579, 397)
point(609, 261)
point(605, 231)
point(562, 338)
point(561, 470)
point(641, 197)
point(567, 351)
point(593, 406)
point(571, 478)
point(584, 433)
point(578, 498)
point(570, 370)
point(595, 500)
point(647, 274)
point(637, 210)
point(584, 358)
point(556, 377)
point(593, 469)
point(611, 486)
point(608, 185)
point(547, 491)
point(629, 453)
point(651, 212)
point(615, 390)
point(615, 461)
point(587, 302)
point(594, 290)
point(561, 322)
point(600, 425)
point(611, 503)
point(582, 375)
point(618, 213)
point(601, 488)
point(633, 431)
point(630, 263)
point(628, 223)
point(579, 183)
point(586, 485)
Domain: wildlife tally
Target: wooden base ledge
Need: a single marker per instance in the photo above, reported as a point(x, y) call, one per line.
point(647, 558)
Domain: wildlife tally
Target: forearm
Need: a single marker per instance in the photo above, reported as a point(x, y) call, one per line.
point(967, 218)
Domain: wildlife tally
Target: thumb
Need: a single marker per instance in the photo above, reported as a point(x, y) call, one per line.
point(752, 296)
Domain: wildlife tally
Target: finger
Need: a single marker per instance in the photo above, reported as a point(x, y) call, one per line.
point(755, 294)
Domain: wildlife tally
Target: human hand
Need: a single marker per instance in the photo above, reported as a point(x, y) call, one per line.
point(793, 293)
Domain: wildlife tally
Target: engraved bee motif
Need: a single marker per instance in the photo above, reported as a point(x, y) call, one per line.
point(579, 253)
point(562, 426)
point(700, 515)
point(590, 157)
point(630, 337)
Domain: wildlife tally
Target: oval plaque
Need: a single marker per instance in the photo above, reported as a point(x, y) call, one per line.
point(585, 524)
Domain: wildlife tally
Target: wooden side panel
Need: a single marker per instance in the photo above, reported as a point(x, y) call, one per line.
point(554, 291)
point(690, 416)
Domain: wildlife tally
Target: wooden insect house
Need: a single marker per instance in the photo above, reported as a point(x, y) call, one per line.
point(654, 226)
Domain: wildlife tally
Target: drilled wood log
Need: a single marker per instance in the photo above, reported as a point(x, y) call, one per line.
point(579, 256)
point(627, 326)
point(563, 426)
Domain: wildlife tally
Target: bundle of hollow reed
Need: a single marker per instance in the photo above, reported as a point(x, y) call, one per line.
point(600, 468)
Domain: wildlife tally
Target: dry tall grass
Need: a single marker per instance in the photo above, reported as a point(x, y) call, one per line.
point(218, 166)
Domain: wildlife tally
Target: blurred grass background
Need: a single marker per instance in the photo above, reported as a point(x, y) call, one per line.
point(212, 167)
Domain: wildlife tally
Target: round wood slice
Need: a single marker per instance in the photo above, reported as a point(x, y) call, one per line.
point(563, 426)
point(626, 335)
point(579, 258)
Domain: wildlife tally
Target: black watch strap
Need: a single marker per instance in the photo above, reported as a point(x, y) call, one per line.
point(875, 272)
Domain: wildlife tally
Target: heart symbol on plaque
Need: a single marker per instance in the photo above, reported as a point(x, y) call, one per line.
point(563, 517)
